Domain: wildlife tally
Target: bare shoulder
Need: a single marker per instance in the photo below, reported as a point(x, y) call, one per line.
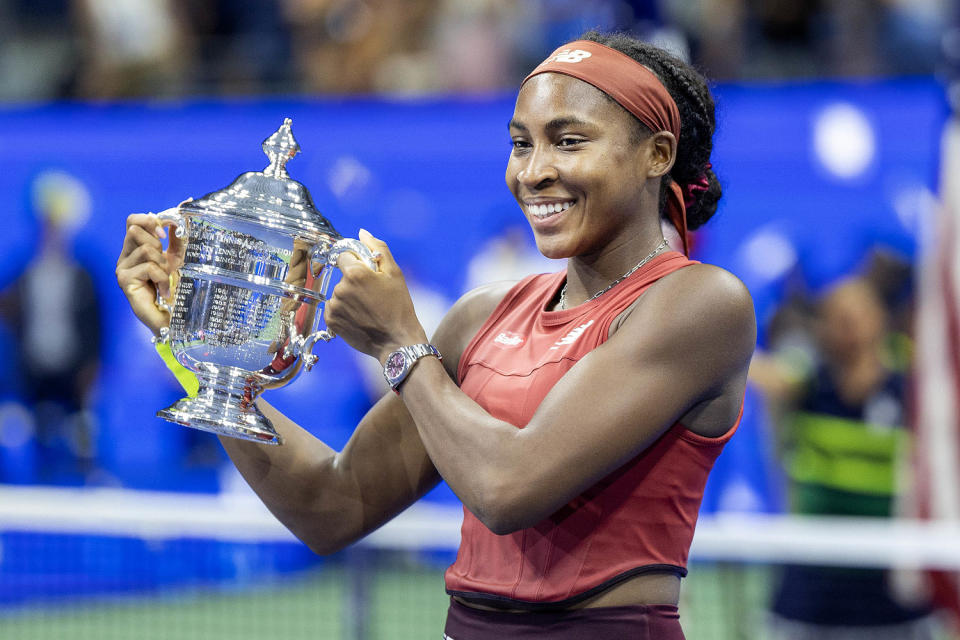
point(703, 295)
point(702, 309)
point(696, 328)
point(465, 319)
point(481, 301)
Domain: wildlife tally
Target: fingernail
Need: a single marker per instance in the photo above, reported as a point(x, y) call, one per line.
point(161, 233)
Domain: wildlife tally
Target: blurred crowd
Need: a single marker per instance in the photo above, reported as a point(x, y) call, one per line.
point(104, 49)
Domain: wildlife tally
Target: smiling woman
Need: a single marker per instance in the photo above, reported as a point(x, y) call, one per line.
point(577, 414)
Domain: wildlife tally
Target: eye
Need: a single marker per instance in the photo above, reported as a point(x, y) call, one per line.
point(570, 141)
point(519, 144)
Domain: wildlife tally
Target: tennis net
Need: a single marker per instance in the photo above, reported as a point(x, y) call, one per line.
point(108, 564)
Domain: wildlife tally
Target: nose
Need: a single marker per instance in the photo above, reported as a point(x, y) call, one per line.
point(539, 169)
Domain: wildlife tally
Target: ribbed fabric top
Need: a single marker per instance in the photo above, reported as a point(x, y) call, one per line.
point(640, 518)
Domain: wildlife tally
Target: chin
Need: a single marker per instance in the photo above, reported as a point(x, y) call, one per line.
point(552, 251)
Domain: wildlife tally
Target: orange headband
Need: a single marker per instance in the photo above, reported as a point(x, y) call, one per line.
point(635, 88)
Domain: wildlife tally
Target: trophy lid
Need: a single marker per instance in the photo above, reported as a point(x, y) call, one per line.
point(270, 197)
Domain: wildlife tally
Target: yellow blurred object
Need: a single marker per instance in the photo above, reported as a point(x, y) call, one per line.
point(61, 199)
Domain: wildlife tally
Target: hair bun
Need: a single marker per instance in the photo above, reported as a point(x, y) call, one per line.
point(705, 201)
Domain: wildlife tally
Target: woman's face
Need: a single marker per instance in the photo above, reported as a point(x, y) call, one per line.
point(577, 169)
point(852, 321)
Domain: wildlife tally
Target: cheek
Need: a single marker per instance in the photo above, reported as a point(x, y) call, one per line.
point(510, 176)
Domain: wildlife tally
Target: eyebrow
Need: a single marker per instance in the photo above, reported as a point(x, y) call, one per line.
point(553, 125)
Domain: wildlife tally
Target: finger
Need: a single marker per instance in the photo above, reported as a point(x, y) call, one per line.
point(132, 280)
point(143, 273)
point(177, 244)
point(176, 252)
point(163, 223)
point(167, 218)
point(347, 260)
point(148, 221)
point(374, 244)
point(298, 257)
point(331, 312)
point(355, 269)
point(381, 252)
point(143, 253)
point(297, 270)
point(137, 236)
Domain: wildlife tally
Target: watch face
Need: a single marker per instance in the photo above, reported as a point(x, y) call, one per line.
point(395, 364)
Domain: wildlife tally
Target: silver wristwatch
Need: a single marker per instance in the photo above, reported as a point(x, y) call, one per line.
point(400, 362)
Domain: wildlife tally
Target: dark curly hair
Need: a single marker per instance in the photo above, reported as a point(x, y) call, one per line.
point(690, 91)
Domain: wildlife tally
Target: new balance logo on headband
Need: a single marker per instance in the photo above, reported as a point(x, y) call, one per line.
point(570, 55)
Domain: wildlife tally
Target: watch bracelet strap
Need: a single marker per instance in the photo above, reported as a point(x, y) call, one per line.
point(416, 351)
point(187, 379)
point(424, 349)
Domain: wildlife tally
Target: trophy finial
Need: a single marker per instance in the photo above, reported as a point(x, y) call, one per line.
point(280, 147)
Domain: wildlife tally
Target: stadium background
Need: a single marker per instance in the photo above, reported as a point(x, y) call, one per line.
point(817, 174)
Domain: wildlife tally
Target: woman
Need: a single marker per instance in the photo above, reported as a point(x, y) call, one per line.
point(841, 416)
point(577, 414)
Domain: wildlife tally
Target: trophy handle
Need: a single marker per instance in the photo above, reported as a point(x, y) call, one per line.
point(174, 217)
point(170, 217)
point(326, 254)
point(357, 248)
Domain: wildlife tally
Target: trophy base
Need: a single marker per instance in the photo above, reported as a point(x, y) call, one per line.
point(224, 405)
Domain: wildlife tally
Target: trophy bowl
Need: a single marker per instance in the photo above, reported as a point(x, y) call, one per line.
point(248, 299)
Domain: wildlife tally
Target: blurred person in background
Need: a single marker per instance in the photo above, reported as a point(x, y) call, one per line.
point(836, 378)
point(238, 46)
point(480, 45)
point(38, 50)
point(132, 48)
point(347, 46)
point(775, 39)
point(54, 312)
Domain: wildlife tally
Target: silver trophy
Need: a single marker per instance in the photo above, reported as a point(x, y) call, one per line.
point(248, 301)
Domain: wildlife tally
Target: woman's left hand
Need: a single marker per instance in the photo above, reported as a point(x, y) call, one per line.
point(372, 310)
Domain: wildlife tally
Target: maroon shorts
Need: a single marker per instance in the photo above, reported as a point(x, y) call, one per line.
point(638, 622)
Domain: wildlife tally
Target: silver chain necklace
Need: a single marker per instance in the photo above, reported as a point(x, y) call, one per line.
point(660, 247)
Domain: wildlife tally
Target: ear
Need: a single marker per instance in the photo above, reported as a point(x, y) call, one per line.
point(662, 148)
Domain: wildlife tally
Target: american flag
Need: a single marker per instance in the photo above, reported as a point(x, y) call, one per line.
point(936, 490)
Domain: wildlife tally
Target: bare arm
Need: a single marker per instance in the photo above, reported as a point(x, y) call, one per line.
point(782, 380)
point(328, 499)
point(681, 354)
point(331, 499)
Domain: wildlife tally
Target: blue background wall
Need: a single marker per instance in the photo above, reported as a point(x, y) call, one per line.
point(427, 176)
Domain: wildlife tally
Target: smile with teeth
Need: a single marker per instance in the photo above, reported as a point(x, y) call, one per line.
point(544, 210)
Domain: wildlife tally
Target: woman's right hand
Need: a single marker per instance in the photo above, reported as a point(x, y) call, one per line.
point(144, 268)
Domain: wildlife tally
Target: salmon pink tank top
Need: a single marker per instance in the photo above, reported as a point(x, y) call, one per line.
point(640, 518)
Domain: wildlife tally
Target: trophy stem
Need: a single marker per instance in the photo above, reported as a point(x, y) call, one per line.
point(224, 405)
